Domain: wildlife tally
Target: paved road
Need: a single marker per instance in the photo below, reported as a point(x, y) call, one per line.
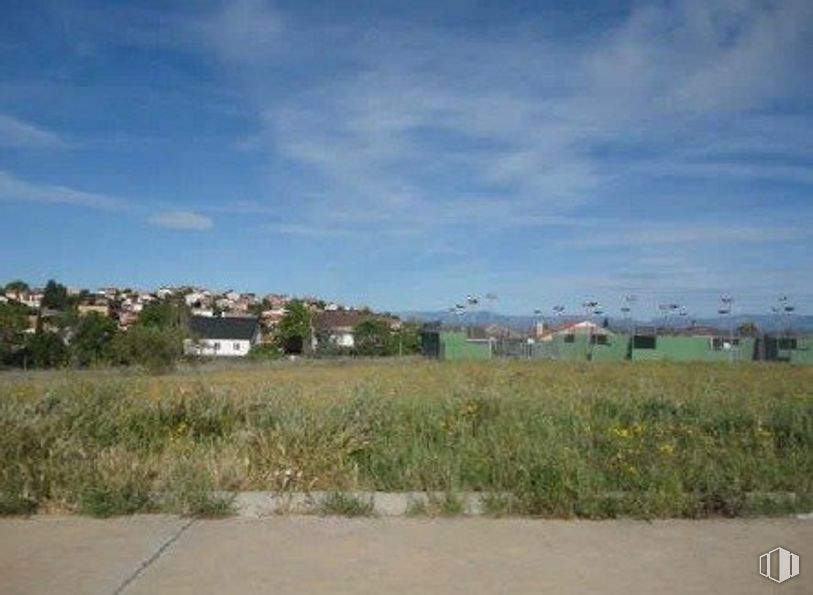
point(163, 554)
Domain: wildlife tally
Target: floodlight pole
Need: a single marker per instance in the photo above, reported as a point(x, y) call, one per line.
point(590, 307)
point(727, 309)
point(629, 300)
point(558, 312)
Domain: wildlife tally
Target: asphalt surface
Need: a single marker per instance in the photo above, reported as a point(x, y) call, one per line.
point(293, 554)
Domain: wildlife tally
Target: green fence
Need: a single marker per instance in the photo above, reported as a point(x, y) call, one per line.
point(455, 345)
point(599, 348)
point(796, 350)
point(693, 348)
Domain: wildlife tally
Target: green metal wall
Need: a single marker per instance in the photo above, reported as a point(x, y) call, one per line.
point(803, 354)
point(454, 345)
point(694, 349)
point(579, 350)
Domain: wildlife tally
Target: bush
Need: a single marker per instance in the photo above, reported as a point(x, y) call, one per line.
point(92, 339)
point(156, 349)
point(46, 350)
point(106, 500)
point(191, 492)
point(447, 505)
point(265, 351)
point(372, 337)
point(339, 504)
point(14, 501)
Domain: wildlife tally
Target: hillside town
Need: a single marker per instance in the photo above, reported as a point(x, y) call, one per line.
point(124, 304)
point(210, 323)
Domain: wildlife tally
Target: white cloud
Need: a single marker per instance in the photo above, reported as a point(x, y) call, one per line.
point(244, 31)
point(181, 220)
point(425, 127)
point(646, 234)
point(19, 134)
point(17, 190)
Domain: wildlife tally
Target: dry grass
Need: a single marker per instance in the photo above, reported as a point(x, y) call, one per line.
point(559, 439)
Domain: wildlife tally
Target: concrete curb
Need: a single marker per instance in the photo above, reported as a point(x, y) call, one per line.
point(395, 504)
point(385, 504)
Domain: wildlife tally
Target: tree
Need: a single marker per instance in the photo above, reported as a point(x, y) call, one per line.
point(17, 286)
point(45, 350)
point(407, 340)
point(157, 349)
point(91, 340)
point(373, 337)
point(55, 296)
point(294, 330)
point(748, 329)
point(13, 321)
point(65, 320)
point(163, 315)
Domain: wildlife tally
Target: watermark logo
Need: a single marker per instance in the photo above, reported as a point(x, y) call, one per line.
point(779, 565)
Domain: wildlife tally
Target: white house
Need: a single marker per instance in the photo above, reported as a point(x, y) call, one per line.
point(584, 327)
point(337, 327)
point(222, 337)
point(197, 297)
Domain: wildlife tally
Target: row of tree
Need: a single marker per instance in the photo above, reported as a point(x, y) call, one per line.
point(67, 339)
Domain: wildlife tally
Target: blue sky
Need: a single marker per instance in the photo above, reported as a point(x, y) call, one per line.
point(405, 154)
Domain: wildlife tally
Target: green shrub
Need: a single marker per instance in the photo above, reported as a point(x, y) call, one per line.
point(447, 505)
point(14, 501)
point(340, 504)
point(192, 492)
point(155, 348)
point(265, 352)
point(114, 500)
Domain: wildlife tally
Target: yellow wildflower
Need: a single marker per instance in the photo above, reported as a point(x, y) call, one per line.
point(667, 449)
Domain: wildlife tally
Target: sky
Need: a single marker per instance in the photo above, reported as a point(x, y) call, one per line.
point(403, 155)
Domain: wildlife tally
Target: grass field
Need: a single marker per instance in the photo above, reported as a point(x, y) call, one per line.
point(544, 438)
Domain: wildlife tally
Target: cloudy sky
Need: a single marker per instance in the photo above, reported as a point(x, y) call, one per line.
point(405, 154)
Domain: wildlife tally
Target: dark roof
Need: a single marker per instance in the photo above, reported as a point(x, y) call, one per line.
point(209, 327)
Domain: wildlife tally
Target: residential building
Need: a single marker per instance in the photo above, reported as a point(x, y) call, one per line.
point(584, 327)
point(336, 326)
point(100, 306)
point(222, 337)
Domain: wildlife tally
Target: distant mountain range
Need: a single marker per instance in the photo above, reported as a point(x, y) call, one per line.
point(484, 318)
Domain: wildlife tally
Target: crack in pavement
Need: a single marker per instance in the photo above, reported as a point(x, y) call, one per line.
point(158, 553)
